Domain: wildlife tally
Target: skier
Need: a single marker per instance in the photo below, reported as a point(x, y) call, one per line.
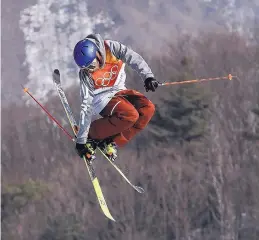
point(111, 115)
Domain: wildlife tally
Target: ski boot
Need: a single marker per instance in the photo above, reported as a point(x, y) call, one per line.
point(90, 155)
point(89, 150)
point(109, 148)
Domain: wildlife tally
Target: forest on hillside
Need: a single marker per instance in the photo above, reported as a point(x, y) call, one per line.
point(198, 159)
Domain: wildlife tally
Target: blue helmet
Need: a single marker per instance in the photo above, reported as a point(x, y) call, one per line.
point(85, 53)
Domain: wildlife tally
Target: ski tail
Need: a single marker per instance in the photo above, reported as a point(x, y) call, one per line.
point(98, 191)
point(137, 188)
point(73, 123)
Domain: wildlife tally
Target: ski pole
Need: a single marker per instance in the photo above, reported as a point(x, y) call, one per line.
point(229, 77)
point(26, 90)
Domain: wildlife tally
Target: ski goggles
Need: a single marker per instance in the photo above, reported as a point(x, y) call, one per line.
point(96, 63)
point(93, 65)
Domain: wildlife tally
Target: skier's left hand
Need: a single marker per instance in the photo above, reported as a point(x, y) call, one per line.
point(151, 84)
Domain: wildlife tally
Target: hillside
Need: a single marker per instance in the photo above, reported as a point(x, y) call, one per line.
point(197, 159)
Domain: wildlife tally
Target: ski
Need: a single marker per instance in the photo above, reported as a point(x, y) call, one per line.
point(56, 78)
point(137, 188)
point(90, 168)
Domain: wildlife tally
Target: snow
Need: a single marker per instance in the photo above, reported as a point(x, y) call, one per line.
point(51, 29)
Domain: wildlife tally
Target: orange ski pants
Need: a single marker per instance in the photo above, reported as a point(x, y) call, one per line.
point(126, 114)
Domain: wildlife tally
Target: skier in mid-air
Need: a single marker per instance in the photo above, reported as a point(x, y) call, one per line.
point(111, 115)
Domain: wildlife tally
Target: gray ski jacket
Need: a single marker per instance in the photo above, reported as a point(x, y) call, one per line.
point(96, 89)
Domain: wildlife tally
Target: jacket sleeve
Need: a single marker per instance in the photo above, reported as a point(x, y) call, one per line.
point(131, 58)
point(86, 93)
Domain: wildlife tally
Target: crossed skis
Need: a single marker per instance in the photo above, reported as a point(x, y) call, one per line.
point(73, 124)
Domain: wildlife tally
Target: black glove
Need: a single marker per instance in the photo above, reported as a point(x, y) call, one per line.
point(85, 149)
point(151, 84)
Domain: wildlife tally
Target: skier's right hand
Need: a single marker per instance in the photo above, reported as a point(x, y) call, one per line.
point(86, 149)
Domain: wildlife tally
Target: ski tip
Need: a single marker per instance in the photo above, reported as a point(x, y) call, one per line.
point(139, 189)
point(56, 76)
point(56, 71)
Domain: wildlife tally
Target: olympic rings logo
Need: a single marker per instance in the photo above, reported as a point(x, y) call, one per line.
point(107, 77)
